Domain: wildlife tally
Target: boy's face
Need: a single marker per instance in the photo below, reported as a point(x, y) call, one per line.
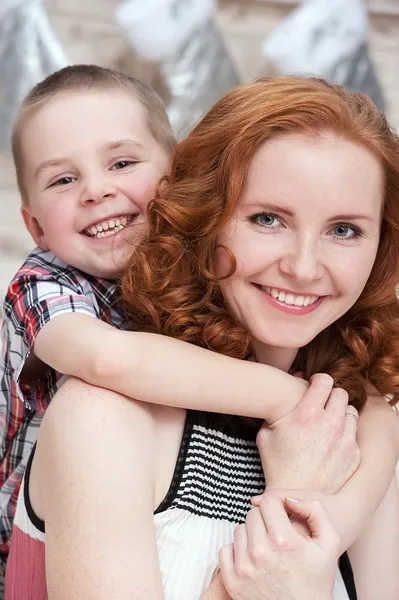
point(91, 166)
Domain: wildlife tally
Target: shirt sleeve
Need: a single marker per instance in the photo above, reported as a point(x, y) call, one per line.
point(30, 304)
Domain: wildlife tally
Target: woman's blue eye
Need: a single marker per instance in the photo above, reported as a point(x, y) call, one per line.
point(63, 181)
point(346, 232)
point(266, 220)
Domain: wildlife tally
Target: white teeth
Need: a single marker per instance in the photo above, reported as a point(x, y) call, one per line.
point(110, 227)
point(299, 301)
point(289, 298)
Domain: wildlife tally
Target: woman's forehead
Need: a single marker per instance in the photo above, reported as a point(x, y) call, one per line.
point(323, 173)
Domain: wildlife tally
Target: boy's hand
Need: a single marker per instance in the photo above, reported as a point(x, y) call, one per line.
point(314, 446)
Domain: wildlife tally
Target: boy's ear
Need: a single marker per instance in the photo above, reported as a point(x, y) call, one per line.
point(33, 226)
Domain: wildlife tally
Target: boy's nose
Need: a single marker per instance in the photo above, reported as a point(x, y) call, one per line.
point(97, 191)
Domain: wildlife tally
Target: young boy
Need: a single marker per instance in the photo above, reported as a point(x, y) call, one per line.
point(89, 146)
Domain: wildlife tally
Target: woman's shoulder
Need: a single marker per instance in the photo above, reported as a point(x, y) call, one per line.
point(93, 473)
point(79, 410)
point(87, 428)
point(378, 409)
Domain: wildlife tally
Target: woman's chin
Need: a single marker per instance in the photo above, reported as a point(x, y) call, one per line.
point(284, 339)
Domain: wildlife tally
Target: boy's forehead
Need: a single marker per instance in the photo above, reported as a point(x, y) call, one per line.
point(82, 119)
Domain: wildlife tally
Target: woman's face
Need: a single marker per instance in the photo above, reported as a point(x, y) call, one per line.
point(305, 236)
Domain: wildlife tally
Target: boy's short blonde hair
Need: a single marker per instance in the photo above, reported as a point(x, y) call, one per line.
point(88, 78)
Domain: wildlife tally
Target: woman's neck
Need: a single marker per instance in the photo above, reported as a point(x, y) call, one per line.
point(281, 358)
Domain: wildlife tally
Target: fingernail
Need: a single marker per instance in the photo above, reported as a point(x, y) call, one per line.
point(257, 497)
point(294, 500)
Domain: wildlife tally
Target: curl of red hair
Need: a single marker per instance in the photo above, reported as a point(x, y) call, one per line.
point(169, 285)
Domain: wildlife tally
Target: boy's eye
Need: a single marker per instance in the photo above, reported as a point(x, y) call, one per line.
point(122, 164)
point(63, 181)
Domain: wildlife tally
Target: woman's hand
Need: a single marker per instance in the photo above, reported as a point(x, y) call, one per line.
point(315, 445)
point(270, 560)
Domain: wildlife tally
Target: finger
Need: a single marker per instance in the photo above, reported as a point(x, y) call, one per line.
point(337, 403)
point(314, 513)
point(226, 563)
point(257, 538)
point(242, 560)
point(277, 522)
point(351, 421)
point(319, 390)
point(256, 500)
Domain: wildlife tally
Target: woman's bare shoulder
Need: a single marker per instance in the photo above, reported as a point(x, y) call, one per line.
point(79, 404)
point(94, 472)
point(378, 410)
point(86, 428)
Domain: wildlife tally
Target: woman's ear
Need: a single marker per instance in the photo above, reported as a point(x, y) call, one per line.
point(34, 228)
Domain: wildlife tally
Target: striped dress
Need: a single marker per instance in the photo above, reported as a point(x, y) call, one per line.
point(217, 471)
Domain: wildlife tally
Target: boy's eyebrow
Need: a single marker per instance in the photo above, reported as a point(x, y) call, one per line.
point(127, 142)
point(49, 163)
point(110, 146)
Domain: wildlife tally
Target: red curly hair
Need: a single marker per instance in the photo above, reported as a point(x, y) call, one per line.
point(169, 286)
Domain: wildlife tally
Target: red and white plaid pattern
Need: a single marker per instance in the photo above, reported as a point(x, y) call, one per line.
point(43, 288)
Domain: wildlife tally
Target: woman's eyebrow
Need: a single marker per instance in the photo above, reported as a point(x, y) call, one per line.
point(267, 206)
point(286, 211)
point(351, 217)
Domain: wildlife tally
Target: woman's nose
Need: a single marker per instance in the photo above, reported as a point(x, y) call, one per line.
point(303, 262)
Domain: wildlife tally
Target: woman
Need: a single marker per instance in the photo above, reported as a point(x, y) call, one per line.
point(276, 239)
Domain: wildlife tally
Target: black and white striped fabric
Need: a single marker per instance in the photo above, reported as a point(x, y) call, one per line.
point(217, 472)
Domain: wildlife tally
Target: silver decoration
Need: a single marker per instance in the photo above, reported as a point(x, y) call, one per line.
point(327, 38)
point(29, 52)
point(181, 35)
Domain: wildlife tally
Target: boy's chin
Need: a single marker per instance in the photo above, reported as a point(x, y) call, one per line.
point(111, 268)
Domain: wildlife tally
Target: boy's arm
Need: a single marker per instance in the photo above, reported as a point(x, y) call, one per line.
point(159, 369)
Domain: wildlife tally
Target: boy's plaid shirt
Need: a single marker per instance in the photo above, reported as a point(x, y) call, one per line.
point(43, 288)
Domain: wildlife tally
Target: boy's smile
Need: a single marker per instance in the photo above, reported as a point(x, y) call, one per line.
point(110, 227)
point(91, 166)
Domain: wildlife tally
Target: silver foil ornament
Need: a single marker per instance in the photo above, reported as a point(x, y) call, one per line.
point(181, 36)
point(327, 38)
point(29, 51)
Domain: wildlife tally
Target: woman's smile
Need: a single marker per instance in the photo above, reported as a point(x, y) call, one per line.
point(289, 302)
